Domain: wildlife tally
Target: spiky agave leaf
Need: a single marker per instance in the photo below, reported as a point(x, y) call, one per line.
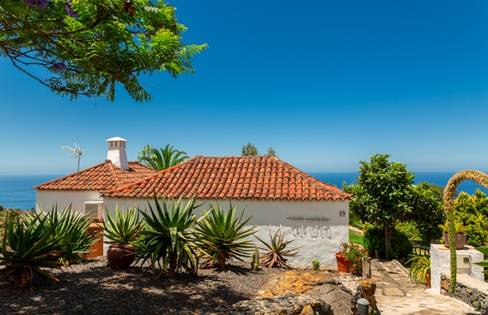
point(166, 241)
point(123, 227)
point(72, 229)
point(223, 235)
point(27, 246)
point(276, 251)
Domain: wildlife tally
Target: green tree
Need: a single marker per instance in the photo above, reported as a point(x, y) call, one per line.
point(249, 150)
point(428, 211)
point(382, 195)
point(87, 47)
point(160, 159)
point(271, 152)
point(472, 212)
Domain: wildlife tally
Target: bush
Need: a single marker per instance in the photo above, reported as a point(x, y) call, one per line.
point(411, 230)
point(374, 242)
point(472, 212)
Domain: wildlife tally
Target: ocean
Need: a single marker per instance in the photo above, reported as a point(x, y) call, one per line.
point(17, 191)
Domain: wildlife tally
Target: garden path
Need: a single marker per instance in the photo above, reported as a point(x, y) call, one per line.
point(396, 294)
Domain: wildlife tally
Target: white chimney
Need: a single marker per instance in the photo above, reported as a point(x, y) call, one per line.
point(116, 152)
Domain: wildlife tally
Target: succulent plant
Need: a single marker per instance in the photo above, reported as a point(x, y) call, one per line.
point(222, 235)
point(276, 251)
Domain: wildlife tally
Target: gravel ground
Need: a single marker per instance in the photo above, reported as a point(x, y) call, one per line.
point(93, 288)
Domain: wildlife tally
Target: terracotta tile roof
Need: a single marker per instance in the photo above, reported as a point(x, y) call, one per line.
point(104, 176)
point(264, 178)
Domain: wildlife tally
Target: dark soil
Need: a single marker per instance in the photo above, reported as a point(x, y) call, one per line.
point(93, 288)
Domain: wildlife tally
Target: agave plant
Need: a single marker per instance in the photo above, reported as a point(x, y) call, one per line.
point(222, 235)
point(276, 251)
point(72, 229)
point(122, 230)
point(484, 263)
point(123, 227)
point(419, 268)
point(166, 242)
point(28, 246)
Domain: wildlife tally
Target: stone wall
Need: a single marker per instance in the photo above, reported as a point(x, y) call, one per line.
point(470, 291)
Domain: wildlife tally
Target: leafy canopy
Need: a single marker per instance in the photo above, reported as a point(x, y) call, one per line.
point(86, 47)
point(249, 150)
point(383, 192)
point(163, 158)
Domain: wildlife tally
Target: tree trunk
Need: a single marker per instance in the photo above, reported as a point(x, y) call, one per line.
point(387, 242)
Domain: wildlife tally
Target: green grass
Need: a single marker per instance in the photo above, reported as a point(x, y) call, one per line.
point(355, 237)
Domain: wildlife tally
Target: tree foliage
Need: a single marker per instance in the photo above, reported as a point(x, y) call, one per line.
point(87, 47)
point(249, 150)
point(472, 212)
point(382, 195)
point(428, 211)
point(271, 152)
point(160, 159)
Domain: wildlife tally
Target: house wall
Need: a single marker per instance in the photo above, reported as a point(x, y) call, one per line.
point(46, 199)
point(301, 221)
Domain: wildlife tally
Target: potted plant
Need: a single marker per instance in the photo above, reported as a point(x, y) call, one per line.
point(349, 258)
point(121, 230)
point(461, 237)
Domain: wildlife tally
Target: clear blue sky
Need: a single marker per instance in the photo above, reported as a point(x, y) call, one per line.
point(325, 83)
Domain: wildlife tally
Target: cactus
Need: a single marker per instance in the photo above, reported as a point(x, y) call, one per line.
point(316, 265)
point(449, 194)
point(255, 265)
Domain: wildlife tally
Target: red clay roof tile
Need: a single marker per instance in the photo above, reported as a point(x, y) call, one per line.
point(264, 178)
point(104, 176)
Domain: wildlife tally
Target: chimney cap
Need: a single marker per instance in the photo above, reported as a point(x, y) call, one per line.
point(116, 139)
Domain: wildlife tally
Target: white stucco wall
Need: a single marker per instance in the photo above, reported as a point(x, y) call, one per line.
point(299, 220)
point(46, 199)
point(440, 264)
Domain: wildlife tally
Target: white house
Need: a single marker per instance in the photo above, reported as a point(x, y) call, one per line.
point(274, 193)
point(82, 189)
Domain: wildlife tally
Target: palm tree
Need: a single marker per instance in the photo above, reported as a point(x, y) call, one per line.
point(249, 150)
point(449, 195)
point(160, 159)
point(76, 152)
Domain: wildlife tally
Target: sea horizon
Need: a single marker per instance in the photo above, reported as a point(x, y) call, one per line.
point(16, 191)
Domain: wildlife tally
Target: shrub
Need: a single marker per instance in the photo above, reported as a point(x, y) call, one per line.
point(222, 235)
point(472, 212)
point(316, 265)
point(123, 228)
point(255, 262)
point(354, 253)
point(28, 246)
point(374, 242)
point(71, 228)
point(166, 241)
point(419, 268)
point(276, 251)
point(411, 230)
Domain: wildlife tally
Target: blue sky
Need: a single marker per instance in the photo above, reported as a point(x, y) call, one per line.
point(325, 83)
